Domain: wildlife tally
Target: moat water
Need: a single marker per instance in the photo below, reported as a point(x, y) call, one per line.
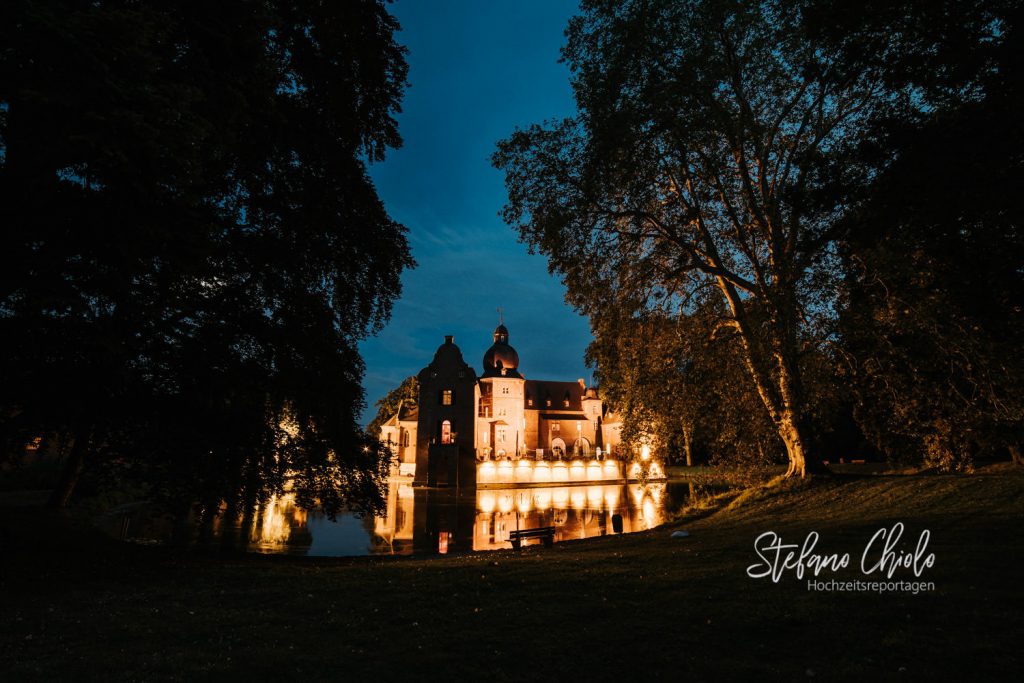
point(437, 521)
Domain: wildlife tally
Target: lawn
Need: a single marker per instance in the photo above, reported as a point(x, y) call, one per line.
point(76, 605)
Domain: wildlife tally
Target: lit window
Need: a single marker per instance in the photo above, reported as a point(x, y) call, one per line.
point(485, 436)
point(529, 401)
point(501, 435)
point(556, 427)
point(566, 402)
point(504, 390)
point(548, 403)
point(405, 438)
point(579, 427)
point(446, 397)
point(502, 412)
point(446, 432)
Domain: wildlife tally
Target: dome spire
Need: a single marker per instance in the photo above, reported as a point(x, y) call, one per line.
point(501, 359)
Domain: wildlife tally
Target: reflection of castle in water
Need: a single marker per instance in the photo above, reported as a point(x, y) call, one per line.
point(428, 521)
point(443, 520)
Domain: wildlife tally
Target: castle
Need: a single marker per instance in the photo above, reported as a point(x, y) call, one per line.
point(499, 427)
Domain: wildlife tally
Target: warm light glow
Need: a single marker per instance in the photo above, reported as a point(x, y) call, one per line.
point(504, 471)
point(594, 471)
point(577, 471)
point(635, 471)
point(656, 491)
point(637, 491)
point(559, 472)
point(505, 502)
point(645, 452)
point(611, 496)
point(611, 469)
point(594, 496)
point(542, 472)
point(650, 518)
point(542, 498)
point(524, 501)
point(560, 497)
point(275, 527)
point(524, 471)
point(655, 471)
point(578, 498)
point(486, 502)
point(487, 472)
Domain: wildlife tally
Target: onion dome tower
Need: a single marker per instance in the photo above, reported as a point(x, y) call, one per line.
point(501, 360)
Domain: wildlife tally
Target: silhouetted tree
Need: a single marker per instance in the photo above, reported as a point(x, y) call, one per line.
point(192, 247)
point(931, 316)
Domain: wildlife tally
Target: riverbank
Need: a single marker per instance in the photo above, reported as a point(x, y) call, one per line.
point(637, 606)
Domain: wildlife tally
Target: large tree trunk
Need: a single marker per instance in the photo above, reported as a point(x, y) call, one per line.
point(71, 472)
point(795, 449)
point(687, 444)
point(780, 391)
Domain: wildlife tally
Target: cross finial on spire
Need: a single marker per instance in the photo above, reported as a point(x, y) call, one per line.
point(501, 317)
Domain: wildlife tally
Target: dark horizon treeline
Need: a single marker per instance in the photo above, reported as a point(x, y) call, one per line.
point(191, 247)
point(795, 226)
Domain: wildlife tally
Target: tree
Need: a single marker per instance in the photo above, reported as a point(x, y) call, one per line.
point(706, 131)
point(192, 246)
point(406, 393)
point(675, 381)
point(931, 319)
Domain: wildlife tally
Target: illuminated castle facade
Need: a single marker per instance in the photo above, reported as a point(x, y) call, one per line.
point(499, 426)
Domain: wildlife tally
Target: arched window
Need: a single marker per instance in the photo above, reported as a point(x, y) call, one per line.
point(446, 431)
point(581, 447)
point(558, 448)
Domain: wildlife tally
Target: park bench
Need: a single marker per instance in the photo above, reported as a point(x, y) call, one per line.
point(545, 533)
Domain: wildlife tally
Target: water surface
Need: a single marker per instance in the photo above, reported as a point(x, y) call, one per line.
point(431, 521)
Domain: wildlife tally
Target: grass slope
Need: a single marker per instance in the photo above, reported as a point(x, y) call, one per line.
point(636, 607)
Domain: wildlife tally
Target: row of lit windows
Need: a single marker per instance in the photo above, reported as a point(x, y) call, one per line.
point(448, 398)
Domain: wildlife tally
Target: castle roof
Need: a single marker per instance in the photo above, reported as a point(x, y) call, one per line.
point(408, 412)
point(541, 391)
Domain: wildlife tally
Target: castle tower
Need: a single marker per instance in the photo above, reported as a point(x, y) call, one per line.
point(501, 420)
point(444, 434)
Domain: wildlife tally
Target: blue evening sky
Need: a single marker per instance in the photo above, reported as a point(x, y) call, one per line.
point(476, 71)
